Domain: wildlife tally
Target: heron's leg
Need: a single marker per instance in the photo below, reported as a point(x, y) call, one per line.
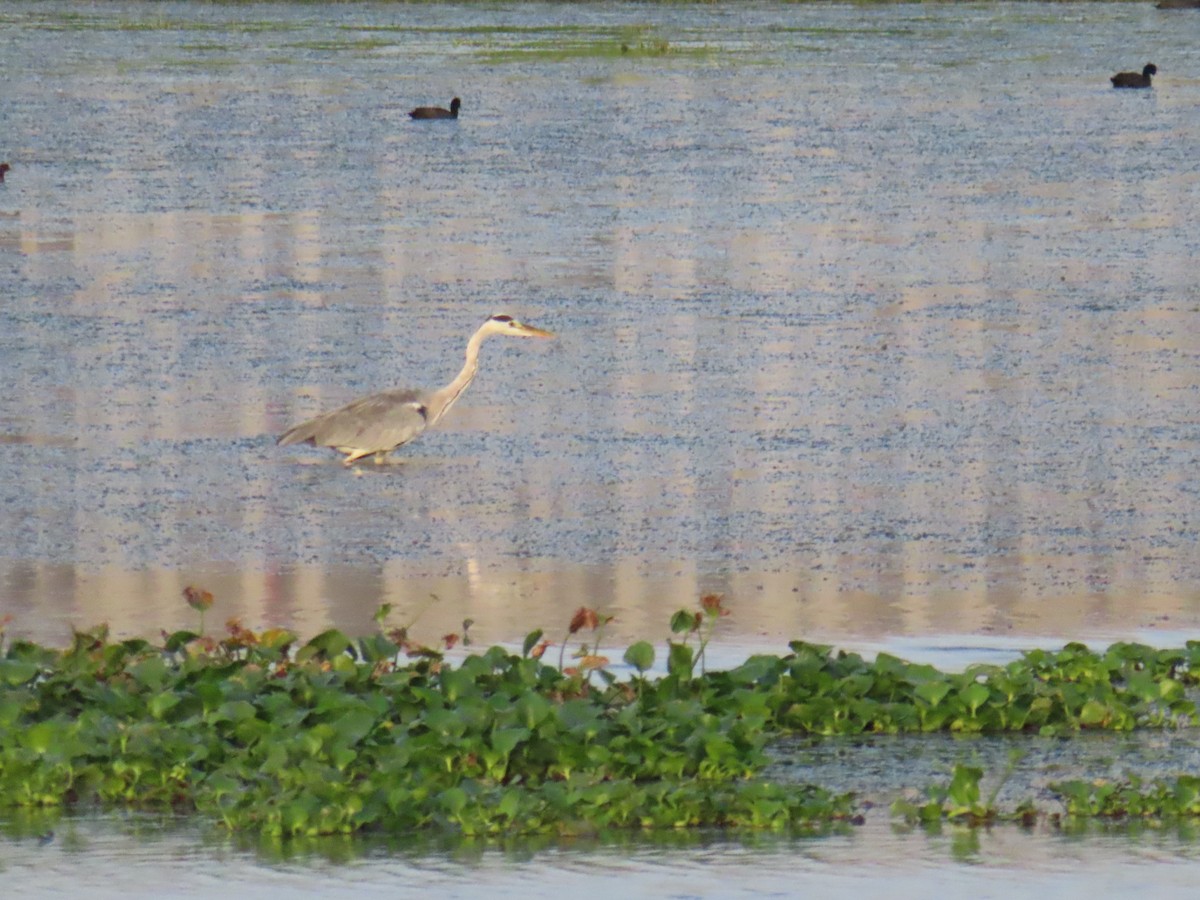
point(355, 455)
point(381, 457)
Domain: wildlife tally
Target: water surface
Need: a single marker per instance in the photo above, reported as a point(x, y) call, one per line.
point(880, 321)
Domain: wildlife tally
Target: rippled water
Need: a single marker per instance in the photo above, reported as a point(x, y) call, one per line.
point(880, 320)
point(148, 858)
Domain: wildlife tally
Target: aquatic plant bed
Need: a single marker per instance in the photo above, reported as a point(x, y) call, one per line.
point(263, 732)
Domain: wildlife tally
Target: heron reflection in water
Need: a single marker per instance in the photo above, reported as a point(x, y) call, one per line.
point(379, 423)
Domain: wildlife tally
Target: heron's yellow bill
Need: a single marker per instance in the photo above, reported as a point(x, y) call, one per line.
point(531, 331)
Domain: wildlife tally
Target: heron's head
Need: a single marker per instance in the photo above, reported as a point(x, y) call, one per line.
point(503, 324)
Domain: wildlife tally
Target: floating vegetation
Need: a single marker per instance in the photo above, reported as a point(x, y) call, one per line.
point(266, 733)
point(560, 44)
point(562, 50)
point(1132, 798)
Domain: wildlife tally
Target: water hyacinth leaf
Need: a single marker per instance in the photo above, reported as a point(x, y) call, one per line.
point(454, 800)
point(277, 638)
point(42, 736)
point(328, 645)
point(341, 757)
point(150, 672)
point(14, 672)
point(505, 740)
point(11, 711)
point(178, 640)
point(684, 621)
point(975, 695)
point(1094, 713)
point(531, 641)
point(445, 722)
point(509, 804)
point(932, 692)
point(377, 647)
point(640, 656)
point(354, 725)
point(532, 710)
point(964, 785)
point(681, 660)
point(457, 683)
point(582, 718)
point(162, 703)
point(235, 711)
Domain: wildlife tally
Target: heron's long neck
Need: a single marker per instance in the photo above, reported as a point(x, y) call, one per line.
point(444, 398)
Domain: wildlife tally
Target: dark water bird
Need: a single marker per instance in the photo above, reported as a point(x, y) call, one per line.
point(1133, 79)
point(4, 167)
point(379, 423)
point(437, 112)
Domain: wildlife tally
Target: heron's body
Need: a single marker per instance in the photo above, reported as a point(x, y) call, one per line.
point(379, 423)
point(437, 112)
point(1133, 79)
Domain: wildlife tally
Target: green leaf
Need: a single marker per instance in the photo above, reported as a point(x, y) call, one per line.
point(161, 704)
point(975, 695)
point(681, 660)
point(235, 711)
point(327, 644)
point(932, 692)
point(685, 621)
point(640, 656)
point(531, 641)
point(177, 640)
point(1094, 713)
point(42, 736)
point(505, 740)
point(150, 672)
point(454, 800)
point(532, 710)
point(14, 672)
point(354, 725)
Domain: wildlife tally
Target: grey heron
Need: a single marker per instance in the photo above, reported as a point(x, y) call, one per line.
point(1133, 79)
point(379, 423)
point(436, 112)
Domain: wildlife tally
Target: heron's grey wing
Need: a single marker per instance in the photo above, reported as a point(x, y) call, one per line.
point(378, 422)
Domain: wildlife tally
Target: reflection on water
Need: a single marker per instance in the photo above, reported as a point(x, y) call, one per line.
point(881, 322)
point(145, 857)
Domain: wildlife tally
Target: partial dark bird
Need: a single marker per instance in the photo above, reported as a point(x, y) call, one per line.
point(379, 423)
point(436, 112)
point(1133, 79)
point(4, 167)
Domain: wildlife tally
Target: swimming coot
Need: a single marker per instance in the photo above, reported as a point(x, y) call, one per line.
point(1133, 79)
point(436, 112)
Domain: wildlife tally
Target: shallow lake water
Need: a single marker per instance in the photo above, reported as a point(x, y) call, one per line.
point(881, 321)
point(139, 857)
